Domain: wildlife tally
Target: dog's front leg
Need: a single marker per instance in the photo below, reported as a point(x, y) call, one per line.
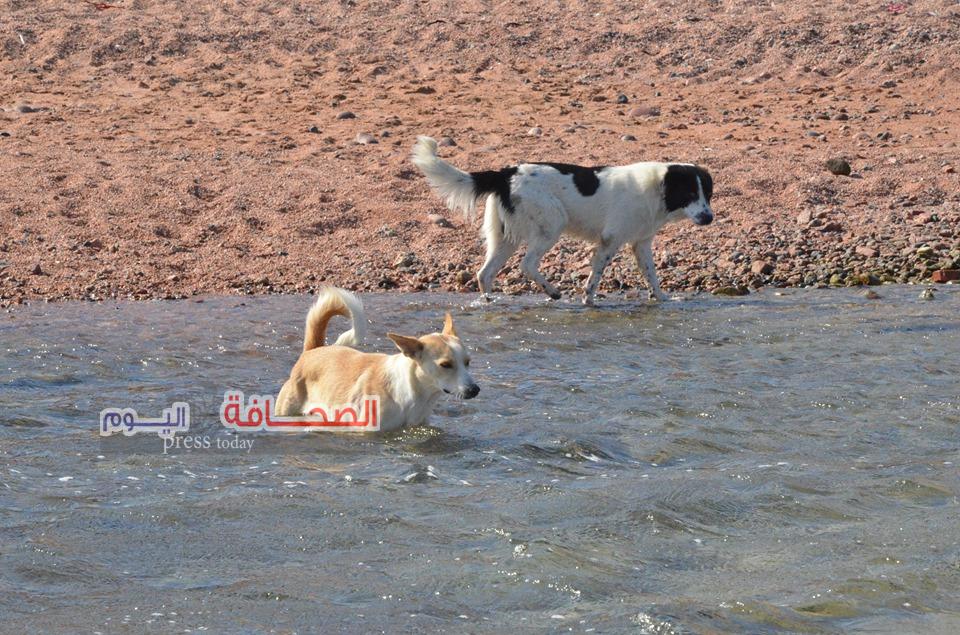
point(643, 250)
point(602, 256)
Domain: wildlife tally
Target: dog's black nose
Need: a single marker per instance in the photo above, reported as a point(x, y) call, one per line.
point(472, 391)
point(704, 219)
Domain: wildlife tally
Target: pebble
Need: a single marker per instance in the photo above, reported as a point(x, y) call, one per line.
point(927, 294)
point(645, 111)
point(761, 267)
point(365, 138)
point(439, 220)
point(346, 114)
point(622, 99)
point(628, 137)
point(313, 129)
point(463, 277)
point(737, 290)
point(867, 252)
point(405, 260)
point(804, 217)
point(37, 270)
point(534, 132)
point(948, 169)
point(446, 142)
point(838, 166)
point(870, 294)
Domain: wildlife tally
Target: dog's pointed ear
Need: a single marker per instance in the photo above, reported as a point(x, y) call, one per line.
point(448, 326)
point(409, 346)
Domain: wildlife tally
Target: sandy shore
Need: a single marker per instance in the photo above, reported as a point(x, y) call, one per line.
point(167, 149)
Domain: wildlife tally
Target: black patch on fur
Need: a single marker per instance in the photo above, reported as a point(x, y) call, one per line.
point(584, 178)
point(495, 182)
point(680, 185)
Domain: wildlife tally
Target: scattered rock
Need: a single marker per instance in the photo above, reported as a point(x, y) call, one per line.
point(365, 138)
point(446, 142)
point(870, 294)
point(736, 290)
point(946, 275)
point(867, 252)
point(622, 99)
point(628, 137)
point(927, 294)
point(831, 227)
point(948, 169)
point(439, 220)
point(761, 267)
point(346, 114)
point(645, 111)
point(534, 132)
point(804, 217)
point(404, 260)
point(313, 129)
point(27, 108)
point(37, 270)
point(463, 277)
point(839, 167)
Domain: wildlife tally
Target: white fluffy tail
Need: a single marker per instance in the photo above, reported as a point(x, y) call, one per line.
point(332, 301)
point(455, 186)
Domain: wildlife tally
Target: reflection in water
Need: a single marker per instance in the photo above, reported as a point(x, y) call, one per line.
point(764, 464)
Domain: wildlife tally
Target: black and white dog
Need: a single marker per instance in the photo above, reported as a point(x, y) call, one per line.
point(537, 202)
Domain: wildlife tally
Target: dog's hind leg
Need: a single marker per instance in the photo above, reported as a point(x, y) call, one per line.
point(530, 265)
point(499, 247)
point(643, 250)
point(602, 256)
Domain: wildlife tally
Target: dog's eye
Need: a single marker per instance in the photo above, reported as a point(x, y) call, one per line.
point(446, 364)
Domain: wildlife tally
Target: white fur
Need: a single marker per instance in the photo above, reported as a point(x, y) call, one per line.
point(627, 208)
point(332, 297)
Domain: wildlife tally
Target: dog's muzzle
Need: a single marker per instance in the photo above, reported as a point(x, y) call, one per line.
point(703, 219)
point(469, 392)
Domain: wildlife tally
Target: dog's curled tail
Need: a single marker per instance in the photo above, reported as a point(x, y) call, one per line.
point(460, 190)
point(332, 301)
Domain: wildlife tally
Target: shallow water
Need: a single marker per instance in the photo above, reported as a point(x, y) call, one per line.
point(765, 464)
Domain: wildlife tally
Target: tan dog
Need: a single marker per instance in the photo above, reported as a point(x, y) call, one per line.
point(407, 384)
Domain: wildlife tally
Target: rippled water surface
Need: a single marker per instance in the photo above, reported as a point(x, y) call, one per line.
point(768, 464)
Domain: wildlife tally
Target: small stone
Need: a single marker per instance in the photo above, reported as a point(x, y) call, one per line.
point(836, 280)
point(534, 132)
point(446, 142)
point(832, 227)
point(313, 129)
point(737, 290)
point(346, 114)
point(463, 277)
point(761, 267)
point(804, 217)
point(622, 99)
point(365, 138)
point(37, 270)
point(404, 260)
point(946, 275)
point(890, 83)
point(645, 111)
point(838, 167)
point(948, 169)
point(628, 137)
point(870, 294)
point(927, 294)
point(439, 220)
point(867, 252)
